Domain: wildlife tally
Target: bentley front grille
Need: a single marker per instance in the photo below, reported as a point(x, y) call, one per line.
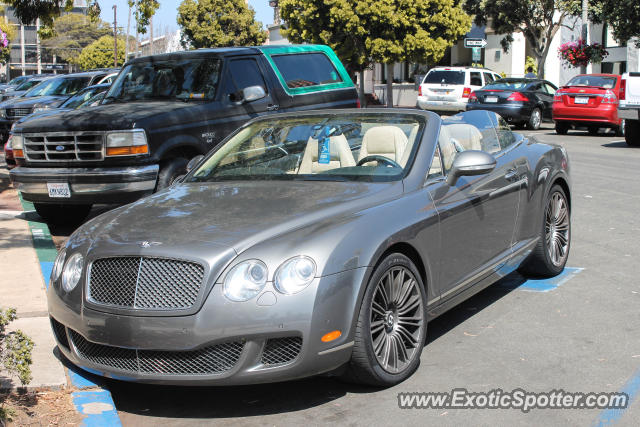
point(145, 283)
point(214, 359)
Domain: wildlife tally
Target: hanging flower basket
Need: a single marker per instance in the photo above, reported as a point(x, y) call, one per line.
point(579, 54)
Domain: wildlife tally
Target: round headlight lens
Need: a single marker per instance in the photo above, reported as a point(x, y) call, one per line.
point(245, 280)
point(295, 274)
point(57, 265)
point(72, 272)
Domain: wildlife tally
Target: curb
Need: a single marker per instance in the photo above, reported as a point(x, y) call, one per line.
point(90, 400)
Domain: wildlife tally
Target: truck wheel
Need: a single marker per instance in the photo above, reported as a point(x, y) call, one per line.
point(632, 132)
point(62, 214)
point(170, 170)
point(562, 128)
point(620, 129)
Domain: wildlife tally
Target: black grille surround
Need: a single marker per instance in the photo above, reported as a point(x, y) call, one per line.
point(210, 360)
point(280, 351)
point(144, 283)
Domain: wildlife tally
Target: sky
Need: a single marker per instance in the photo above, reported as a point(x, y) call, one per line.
point(167, 14)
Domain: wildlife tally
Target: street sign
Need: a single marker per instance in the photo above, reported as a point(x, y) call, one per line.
point(476, 54)
point(54, 67)
point(471, 43)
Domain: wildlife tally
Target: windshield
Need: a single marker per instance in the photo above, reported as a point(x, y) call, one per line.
point(28, 84)
point(59, 86)
point(327, 147)
point(82, 97)
point(598, 81)
point(94, 100)
point(17, 80)
point(450, 77)
point(508, 84)
point(184, 80)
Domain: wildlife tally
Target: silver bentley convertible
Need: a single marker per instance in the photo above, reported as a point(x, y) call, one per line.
point(309, 243)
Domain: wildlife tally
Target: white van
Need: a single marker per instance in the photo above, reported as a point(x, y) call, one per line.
point(448, 88)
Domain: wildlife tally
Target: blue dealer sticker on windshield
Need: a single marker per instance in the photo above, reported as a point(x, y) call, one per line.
point(323, 149)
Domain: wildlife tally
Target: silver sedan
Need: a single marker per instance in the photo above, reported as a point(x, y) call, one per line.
point(310, 243)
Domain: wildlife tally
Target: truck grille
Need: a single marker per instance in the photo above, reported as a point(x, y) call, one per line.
point(214, 359)
point(13, 113)
point(145, 283)
point(80, 146)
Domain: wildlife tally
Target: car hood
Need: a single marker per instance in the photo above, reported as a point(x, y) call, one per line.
point(112, 116)
point(237, 215)
point(31, 101)
point(43, 113)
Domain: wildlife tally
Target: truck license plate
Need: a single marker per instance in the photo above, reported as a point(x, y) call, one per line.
point(58, 189)
point(581, 100)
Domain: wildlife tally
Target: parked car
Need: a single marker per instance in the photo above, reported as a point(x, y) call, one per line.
point(50, 93)
point(162, 111)
point(15, 82)
point(109, 78)
point(260, 265)
point(8, 155)
point(629, 108)
point(448, 88)
point(24, 87)
point(588, 100)
point(521, 102)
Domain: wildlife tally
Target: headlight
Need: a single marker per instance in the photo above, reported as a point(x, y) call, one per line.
point(127, 143)
point(72, 272)
point(17, 143)
point(295, 274)
point(245, 280)
point(57, 265)
point(3, 112)
point(41, 108)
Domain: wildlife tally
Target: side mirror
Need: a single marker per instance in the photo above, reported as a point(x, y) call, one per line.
point(253, 93)
point(468, 163)
point(194, 162)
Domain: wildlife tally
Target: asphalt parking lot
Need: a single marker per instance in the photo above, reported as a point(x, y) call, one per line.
point(581, 334)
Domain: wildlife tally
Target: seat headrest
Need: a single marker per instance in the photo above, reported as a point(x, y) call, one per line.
point(389, 141)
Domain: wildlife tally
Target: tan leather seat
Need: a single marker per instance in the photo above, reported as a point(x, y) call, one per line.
point(339, 152)
point(467, 135)
point(387, 141)
point(447, 148)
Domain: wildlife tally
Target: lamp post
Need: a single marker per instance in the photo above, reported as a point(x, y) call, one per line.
point(585, 29)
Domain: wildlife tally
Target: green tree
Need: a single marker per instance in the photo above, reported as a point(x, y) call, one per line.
point(15, 354)
point(10, 31)
point(48, 10)
point(99, 54)
point(537, 20)
point(219, 23)
point(623, 16)
point(366, 31)
point(72, 33)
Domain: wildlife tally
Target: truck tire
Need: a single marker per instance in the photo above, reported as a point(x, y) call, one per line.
point(620, 129)
point(170, 170)
point(62, 214)
point(632, 132)
point(562, 128)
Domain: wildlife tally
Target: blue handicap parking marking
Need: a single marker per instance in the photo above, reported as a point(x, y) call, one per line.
point(611, 416)
point(80, 379)
point(46, 267)
point(98, 407)
point(517, 281)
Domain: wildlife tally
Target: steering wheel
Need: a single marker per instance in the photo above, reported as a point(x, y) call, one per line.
point(379, 159)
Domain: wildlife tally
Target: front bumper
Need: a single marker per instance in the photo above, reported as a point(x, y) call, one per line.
point(87, 185)
point(159, 342)
point(631, 113)
point(453, 106)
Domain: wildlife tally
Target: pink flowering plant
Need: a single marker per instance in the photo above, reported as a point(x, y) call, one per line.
point(5, 50)
point(579, 53)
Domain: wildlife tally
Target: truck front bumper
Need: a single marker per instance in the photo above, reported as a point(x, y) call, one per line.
point(632, 113)
point(87, 185)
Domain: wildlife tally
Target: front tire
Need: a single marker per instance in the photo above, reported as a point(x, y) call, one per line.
point(550, 255)
point(562, 128)
point(170, 170)
point(62, 214)
point(392, 325)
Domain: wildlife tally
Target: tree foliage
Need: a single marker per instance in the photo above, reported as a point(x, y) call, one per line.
point(623, 17)
point(10, 31)
point(365, 31)
point(219, 23)
point(72, 33)
point(99, 54)
point(48, 10)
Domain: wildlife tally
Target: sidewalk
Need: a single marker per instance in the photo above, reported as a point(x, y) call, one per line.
point(23, 287)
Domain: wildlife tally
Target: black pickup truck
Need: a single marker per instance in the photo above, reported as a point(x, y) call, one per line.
point(160, 112)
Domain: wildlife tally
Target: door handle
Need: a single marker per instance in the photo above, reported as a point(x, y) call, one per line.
point(511, 174)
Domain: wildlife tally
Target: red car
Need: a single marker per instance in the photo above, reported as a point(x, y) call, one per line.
point(588, 100)
point(8, 155)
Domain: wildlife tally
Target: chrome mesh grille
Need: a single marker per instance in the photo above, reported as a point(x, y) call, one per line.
point(145, 283)
point(281, 350)
point(79, 146)
point(210, 360)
